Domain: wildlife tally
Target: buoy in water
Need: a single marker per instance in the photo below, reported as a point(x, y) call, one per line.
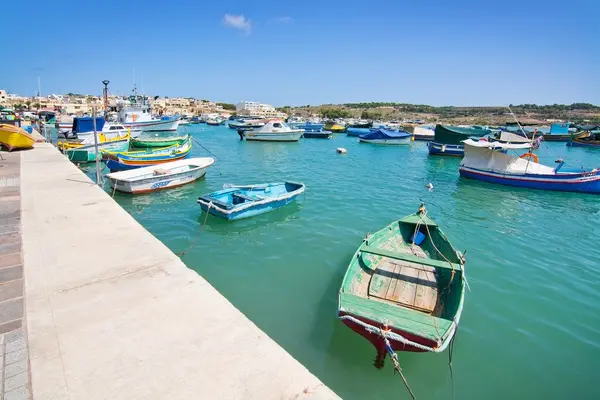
point(341, 150)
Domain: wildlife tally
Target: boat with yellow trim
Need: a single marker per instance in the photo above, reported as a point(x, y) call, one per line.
point(12, 137)
point(123, 160)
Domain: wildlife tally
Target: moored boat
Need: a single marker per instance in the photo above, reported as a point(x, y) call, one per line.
point(274, 131)
point(484, 162)
point(447, 140)
point(123, 160)
point(87, 153)
point(12, 137)
point(156, 139)
point(313, 131)
point(589, 138)
point(404, 288)
point(164, 176)
point(237, 202)
point(383, 136)
point(355, 132)
point(335, 128)
point(422, 132)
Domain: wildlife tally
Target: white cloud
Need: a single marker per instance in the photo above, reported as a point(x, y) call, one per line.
point(282, 20)
point(238, 22)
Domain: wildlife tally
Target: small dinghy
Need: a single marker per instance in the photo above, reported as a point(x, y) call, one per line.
point(164, 176)
point(404, 288)
point(237, 202)
point(384, 136)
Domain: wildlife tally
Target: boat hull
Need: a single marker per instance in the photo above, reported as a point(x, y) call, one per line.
point(231, 210)
point(151, 126)
point(439, 149)
point(157, 183)
point(317, 135)
point(389, 142)
point(577, 143)
point(250, 212)
point(377, 340)
point(583, 183)
point(157, 143)
point(14, 138)
point(88, 153)
point(124, 165)
point(272, 137)
point(355, 132)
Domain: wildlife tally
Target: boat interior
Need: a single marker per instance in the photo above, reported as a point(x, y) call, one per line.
point(235, 196)
point(403, 268)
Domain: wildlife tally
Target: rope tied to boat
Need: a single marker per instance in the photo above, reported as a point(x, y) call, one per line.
point(193, 243)
point(388, 347)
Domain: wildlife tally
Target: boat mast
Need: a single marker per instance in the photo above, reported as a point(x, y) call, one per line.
point(523, 132)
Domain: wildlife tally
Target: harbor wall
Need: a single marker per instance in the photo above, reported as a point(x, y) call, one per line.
point(112, 313)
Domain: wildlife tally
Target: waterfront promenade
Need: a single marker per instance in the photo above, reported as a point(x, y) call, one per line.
point(109, 312)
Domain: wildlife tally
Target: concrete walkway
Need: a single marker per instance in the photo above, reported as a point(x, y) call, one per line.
point(112, 313)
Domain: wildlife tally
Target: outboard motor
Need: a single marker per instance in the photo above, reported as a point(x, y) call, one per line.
point(241, 133)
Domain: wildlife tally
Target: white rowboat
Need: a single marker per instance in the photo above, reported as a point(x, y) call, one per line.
point(159, 177)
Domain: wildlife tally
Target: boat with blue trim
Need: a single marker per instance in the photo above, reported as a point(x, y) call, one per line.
point(482, 161)
point(124, 160)
point(237, 202)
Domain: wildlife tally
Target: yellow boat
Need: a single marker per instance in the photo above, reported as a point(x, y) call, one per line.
point(12, 137)
point(335, 128)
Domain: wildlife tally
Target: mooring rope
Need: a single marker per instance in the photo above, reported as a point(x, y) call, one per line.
point(200, 144)
point(397, 367)
point(193, 243)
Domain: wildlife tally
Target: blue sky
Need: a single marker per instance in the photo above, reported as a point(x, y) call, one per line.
point(309, 52)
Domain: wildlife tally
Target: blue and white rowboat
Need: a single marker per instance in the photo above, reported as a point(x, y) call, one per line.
point(237, 202)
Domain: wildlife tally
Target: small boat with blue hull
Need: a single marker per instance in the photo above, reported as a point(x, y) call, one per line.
point(237, 202)
point(314, 131)
point(384, 136)
point(355, 132)
point(484, 162)
point(447, 140)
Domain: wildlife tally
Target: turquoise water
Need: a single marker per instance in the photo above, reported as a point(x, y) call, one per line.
point(531, 322)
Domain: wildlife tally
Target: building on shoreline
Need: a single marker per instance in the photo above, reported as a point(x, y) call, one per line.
point(79, 104)
point(255, 109)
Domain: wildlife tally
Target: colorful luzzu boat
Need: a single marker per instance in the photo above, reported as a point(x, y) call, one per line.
point(484, 162)
point(124, 160)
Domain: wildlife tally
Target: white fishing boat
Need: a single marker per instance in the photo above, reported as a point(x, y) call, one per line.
point(159, 177)
point(83, 129)
point(136, 114)
point(422, 132)
point(274, 131)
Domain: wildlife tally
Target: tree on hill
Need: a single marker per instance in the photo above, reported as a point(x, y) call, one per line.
point(333, 113)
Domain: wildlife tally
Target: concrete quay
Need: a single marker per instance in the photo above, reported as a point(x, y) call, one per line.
point(111, 313)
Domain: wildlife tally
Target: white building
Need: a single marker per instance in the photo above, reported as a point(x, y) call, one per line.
point(254, 109)
point(3, 96)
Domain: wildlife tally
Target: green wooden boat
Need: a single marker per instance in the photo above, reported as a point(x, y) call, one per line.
point(158, 141)
point(403, 294)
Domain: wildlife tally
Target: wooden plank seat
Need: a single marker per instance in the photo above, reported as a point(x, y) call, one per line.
point(409, 257)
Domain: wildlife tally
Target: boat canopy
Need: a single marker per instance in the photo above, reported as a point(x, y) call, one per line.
point(385, 134)
point(559, 128)
point(496, 145)
point(484, 156)
point(446, 134)
point(86, 124)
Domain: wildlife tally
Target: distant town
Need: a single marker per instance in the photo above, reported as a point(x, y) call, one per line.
point(81, 104)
